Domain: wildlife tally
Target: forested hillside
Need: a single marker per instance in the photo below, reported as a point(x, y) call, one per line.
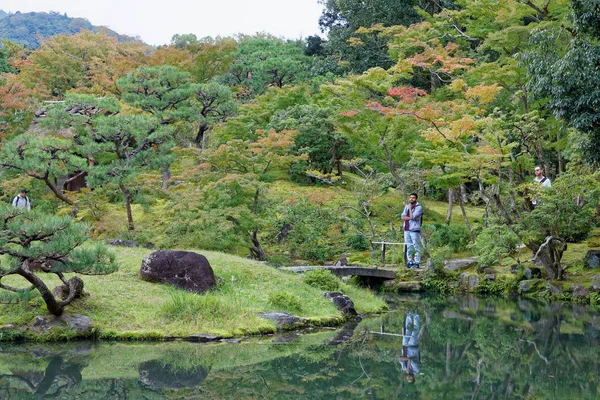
point(289, 150)
point(27, 28)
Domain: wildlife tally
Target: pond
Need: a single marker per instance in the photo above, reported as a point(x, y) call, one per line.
point(430, 348)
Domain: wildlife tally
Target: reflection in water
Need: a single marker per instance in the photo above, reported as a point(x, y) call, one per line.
point(58, 376)
point(158, 375)
point(411, 359)
point(447, 348)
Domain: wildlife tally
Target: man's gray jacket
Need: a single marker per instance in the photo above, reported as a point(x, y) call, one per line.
point(414, 225)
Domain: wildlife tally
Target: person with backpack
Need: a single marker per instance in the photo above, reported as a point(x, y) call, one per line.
point(22, 201)
point(540, 178)
point(412, 215)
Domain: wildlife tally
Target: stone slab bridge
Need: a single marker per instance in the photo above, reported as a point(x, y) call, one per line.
point(378, 274)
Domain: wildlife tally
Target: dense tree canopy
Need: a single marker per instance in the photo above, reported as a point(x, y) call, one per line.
point(27, 28)
point(457, 100)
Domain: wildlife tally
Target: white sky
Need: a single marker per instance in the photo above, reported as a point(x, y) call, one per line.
point(155, 22)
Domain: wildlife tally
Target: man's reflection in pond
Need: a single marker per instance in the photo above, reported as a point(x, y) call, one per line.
point(410, 359)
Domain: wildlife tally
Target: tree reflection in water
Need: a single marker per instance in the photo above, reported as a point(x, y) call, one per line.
point(454, 348)
point(58, 376)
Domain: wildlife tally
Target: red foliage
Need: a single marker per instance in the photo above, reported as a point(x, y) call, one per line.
point(406, 94)
point(374, 105)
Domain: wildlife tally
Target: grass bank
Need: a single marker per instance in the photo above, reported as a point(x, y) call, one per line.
point(123, 306)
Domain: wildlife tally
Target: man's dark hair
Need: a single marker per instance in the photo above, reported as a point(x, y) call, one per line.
point(23, 190)
point(414, 194)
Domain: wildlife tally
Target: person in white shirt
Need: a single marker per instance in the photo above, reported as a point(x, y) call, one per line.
point(539, 177)
point(22, 201)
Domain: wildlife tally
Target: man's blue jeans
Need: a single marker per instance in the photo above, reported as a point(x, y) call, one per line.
point(413, 241)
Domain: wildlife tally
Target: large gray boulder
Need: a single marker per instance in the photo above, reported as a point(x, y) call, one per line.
point(184, 269)
point(468, 281)
point(459, 264)
point(579, 292)
point(80, 324)
point(342, 302)
point(592, 258)
point(283, 319)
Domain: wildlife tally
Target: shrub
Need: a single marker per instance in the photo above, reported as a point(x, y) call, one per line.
point(358, 242)
point(322, 279)
point(311, 226)
point(285, 300)
point(438, 256)
point(494, 243)
point(454, 236)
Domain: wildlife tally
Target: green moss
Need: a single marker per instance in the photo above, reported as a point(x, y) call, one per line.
point(124, 307)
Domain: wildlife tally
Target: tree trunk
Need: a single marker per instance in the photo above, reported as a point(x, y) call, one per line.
point(53, 306)
point(464, 214)
point(201, 136)
point(448, 359)
point(434, 81)
point(549, 254)
point(256, 250)
point(255, 205)
point(57, 192)
point(128, 206)
point(450, 201)
point(166, 175)
point(486, 200)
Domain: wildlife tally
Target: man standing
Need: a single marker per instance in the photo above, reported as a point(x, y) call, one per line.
point(541, 179)
point(21, 200)
point(412, 230)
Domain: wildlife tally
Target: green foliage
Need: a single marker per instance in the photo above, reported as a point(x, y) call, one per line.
point(10, 335)
point(562, 68)
point(494, 243)
point(4, 65)
point(454, 236)
point(341, 19)
point(285, 301)
point(310, 227)
point(28, 28)
point(438, 256)
point(321, 279)
point(317, 138)
point(566, 209)
point(436, 283)
point(186, 306)
point(501, 286)
point(35, 242)
point(164, 91)
point(358, 241)
point(46, 158)
point(215, 104)
point(262, 62)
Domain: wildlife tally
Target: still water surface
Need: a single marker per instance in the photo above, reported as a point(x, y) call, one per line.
point(434, 348)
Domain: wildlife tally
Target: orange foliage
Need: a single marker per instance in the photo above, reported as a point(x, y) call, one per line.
point(406, 94)
point(14, 96)
point(484, 93)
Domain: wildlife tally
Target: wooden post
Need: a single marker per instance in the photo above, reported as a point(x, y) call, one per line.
point(383, 248)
